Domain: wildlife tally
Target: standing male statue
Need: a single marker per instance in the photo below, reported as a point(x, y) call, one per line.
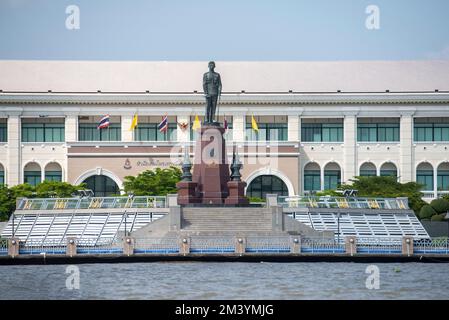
point(212, 90)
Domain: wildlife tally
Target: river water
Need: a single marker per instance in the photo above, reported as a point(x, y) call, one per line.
point(200, 280)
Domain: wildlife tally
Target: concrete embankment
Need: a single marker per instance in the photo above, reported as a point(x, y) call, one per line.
point(256, 258)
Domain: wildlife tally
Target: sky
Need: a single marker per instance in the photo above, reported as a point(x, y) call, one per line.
point(231, 30)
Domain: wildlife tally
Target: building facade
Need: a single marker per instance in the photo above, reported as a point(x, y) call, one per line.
point(320, 124)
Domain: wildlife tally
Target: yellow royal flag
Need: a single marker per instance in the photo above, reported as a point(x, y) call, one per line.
point(254, 124)
point(196, 124)
point(134, 123)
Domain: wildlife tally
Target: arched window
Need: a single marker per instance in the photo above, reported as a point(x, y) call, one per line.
point(102, 186)
point(53, 172)
point(424, 176)
point(388, 169)
point(312, 177)
point(332, 176)
point(32, 173)
point(266, 184)
point(368, 169)
point(443, 177)
point(2, 175)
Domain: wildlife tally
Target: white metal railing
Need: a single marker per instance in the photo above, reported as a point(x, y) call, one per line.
point(442, 193)
point(379, 245)
point(91, 203)
point(3, 246)
point(320, 245)
point(428, 194)
point(342, 202)
point(205, 244)
point(440, 246)
point(39, 247)
point(272, 244)
point(157, 245)
point(98, 247)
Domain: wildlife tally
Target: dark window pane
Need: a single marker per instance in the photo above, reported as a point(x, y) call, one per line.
point(102, 186)
point(266, 184)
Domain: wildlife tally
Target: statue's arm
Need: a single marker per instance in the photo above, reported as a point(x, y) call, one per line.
point(219, 85)
point(205, 85)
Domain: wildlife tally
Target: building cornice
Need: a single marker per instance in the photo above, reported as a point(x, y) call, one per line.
point(136, 99)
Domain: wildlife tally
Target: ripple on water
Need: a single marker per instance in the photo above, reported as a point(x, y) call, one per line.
point(199, 280)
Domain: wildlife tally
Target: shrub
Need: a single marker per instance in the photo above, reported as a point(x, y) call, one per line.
point(256, 199)
point(440, 205)
point(438, 217)
point(427, 212)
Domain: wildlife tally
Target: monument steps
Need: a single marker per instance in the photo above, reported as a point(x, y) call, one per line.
point(227, 220)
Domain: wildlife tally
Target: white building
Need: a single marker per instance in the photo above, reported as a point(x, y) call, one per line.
point(321, 123)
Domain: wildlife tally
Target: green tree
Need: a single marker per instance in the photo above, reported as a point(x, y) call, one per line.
point(387, 187)
point(157, 182)
point(48, 189)
point(7, 202)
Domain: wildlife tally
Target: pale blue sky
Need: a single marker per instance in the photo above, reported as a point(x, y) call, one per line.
point(224, 30)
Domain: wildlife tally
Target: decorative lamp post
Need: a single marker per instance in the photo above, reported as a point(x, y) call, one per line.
point(235, 166)
point(186, 166)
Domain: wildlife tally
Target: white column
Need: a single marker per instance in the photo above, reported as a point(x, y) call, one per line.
point(350, 145)
point(322, 178)
point(435, 182)
point(71, 128)
point(406, 149)
point(183, 136)
point(14, 151)
point(293, 128)
point(238, 127)
point(127, 135)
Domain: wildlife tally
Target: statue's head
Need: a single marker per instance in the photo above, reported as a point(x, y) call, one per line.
point(211, 65)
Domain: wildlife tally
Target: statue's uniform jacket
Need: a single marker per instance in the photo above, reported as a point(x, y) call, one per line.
point(212, 84)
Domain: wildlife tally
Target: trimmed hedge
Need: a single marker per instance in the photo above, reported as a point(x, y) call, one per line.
point(440, 205)
point(427, 212)
point(438, 217)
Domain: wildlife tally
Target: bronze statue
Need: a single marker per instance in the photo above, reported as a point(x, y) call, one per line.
point(212, 91)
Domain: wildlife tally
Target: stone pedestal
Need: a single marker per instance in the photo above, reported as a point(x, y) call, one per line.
point(407, 246)
point(240, 245)
point(295, 244)
point(351, 245)
point(210, 167)
point(13, 247)
point(71, 246)
point(236, 193)
point(184, 245)
point(187, 192)
point(128, 246)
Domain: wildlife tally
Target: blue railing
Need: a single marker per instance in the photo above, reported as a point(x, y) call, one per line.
point(251, 244)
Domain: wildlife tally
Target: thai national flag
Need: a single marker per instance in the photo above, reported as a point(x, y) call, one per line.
point(163, 126)
point(104, 122)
